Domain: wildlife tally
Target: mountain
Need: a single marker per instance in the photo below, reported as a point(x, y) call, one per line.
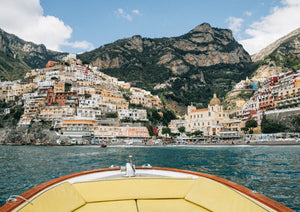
point(286, 45)
point(281, 56)
point(18, 56)
point(185, 69)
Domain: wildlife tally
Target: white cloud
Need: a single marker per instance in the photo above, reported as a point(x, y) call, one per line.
point(248, 13)
point(121, 13)
point(128, 16)
point(25, 19)
point(81, 45)
point(137, 12)
point(281, 21)
point(235, 24)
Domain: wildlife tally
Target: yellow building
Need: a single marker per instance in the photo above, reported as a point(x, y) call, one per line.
point(105, 132)
point(113, 97)
point(78, 127)
point(56, 112)
point(208, 120)
point(231, 128)
point(59, 87)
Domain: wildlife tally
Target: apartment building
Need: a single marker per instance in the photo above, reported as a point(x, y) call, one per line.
point(133, 114)
point(133, 132)
point(78, 127)
point(114, 97)
point(50, 113)
point(84, 112)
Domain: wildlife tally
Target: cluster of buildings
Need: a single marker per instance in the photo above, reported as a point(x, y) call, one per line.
point(212, 121)
point(81, 101)
point(277, 94)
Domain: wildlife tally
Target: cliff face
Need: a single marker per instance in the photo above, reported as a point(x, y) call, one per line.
point(18, 56)
point(203, 61)
point(201, 47)
point(281, 56)
point(287, 45)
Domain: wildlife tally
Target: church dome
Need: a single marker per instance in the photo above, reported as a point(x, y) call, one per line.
point(215, 101)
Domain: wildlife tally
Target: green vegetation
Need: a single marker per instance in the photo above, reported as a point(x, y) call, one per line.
point(181, 129)
point(250, 124)
point(197, 133)
point(12, 69)
point(245, 95)
point(166, 130)
point(68, 86)
point(12, 118)
point(111, 115)
point(157, 117)
point(290, 61)
point(15, 61)
point(271, 127)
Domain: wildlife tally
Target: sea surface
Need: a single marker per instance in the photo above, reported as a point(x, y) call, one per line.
point(270, 170)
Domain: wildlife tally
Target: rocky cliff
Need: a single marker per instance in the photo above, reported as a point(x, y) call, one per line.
point(18, 56)
point(287, 45)
point(186, 68)
point(281, 56)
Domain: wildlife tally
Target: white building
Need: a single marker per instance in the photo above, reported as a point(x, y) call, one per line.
point(89, 103)
point(107, 107)
point(83, 112)
point(50, 113)
point(134, 114)
point(83, 90)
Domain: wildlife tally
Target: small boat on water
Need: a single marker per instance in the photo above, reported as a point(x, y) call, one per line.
point(143, 189)
point(103, 145)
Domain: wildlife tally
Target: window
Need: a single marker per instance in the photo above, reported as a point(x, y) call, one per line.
point(208, 123)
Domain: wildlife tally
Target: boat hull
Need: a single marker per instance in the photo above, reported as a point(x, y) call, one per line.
point(152, 189)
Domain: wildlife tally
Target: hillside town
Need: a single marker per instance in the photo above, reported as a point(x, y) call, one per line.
point(84, 104)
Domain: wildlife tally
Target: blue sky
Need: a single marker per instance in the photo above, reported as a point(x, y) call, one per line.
point(78, 26)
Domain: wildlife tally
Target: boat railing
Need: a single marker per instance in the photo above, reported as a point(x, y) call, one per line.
point(15, 198)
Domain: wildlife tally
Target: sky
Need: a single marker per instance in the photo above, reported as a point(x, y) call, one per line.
point(77, 26)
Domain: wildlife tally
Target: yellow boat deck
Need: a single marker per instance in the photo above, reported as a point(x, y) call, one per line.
point(142, 194)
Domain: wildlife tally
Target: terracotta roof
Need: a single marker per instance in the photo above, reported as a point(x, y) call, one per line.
point(200, 110)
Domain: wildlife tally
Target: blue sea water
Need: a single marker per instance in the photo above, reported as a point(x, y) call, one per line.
point(270, 170)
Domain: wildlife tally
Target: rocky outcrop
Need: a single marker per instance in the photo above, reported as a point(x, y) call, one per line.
point(37, 134)
point(202, 62)
point(202, 46)
point(18, 56)
point(289, 44)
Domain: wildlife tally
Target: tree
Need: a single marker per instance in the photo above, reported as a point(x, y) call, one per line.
point(250, 124)
point(111, 115)
point(181, 129)
point(198, 133)
point(166, 130)
point(245, 129)
point(168, 115)
point(271, 127)
point(68, 86)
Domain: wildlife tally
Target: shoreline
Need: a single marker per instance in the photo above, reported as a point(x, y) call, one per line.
point(161, 145)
